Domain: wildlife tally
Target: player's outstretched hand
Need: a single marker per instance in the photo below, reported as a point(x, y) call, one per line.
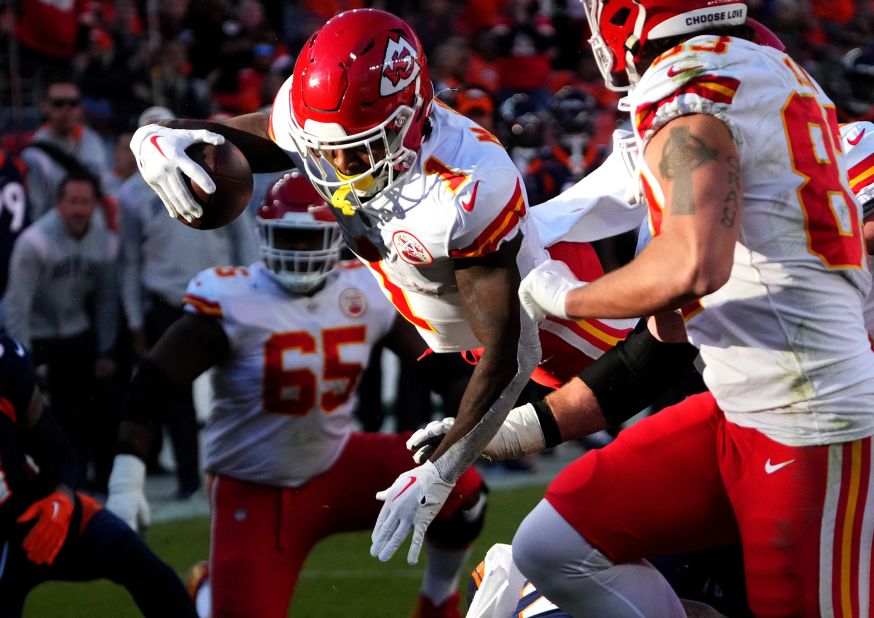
point(45, 539)
point(160, 154)
point(544, 290)
point(411, 503)
point(127, 500)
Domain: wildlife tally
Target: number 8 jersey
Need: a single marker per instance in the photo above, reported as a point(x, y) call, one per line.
point(281, 407)
point(783, 340)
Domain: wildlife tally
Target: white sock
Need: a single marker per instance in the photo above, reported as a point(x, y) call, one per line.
point(442, 571)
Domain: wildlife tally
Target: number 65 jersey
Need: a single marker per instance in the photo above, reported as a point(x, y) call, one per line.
point(784, 343)
point(281, 408)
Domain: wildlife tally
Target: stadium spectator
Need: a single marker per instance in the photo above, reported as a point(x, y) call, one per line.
point(287, 339)
point(159, 256)
point(63, 145)
point(48, 530)
point(762, 457)
point(62, 302)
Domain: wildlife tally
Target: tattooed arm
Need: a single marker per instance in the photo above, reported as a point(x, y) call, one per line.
point(696, 166)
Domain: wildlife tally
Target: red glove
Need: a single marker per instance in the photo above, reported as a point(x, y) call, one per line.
point(45, 539)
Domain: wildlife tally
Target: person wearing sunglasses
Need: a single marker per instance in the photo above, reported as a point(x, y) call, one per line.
point(59, 145)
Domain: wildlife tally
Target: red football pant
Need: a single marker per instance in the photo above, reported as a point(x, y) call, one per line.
point(686, 479)
point(568, 347)
point(261, 535)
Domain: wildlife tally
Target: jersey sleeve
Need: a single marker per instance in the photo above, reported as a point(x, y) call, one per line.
point(490, 210)
point(698, 77)
point(212, 293)
point(280, 121)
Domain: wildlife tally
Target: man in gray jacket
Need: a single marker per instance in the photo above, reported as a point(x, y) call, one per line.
point(62, 302)
point(159, 256)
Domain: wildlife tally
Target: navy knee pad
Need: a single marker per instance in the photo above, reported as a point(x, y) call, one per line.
point(463, 527)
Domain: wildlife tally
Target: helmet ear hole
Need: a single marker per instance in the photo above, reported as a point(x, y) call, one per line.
point(620, 17)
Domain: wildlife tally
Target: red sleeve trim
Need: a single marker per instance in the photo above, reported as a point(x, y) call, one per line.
point(862, 174)
point(506, 221)
point(203, 306)
point(711, 87)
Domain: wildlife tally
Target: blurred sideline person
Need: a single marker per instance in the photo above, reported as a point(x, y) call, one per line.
point(434, 206)
point(757, 241)
point(48, 531)
point(286, 341)
point(158, 259)
point(63, 137)
point(62, 302)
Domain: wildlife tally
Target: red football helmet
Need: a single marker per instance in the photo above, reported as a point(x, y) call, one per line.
point(300, 238)
point(360, 82)
point(621, 28)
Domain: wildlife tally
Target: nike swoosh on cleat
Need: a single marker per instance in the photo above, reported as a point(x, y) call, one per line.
point(673, 73)
point(468, 206)
point(410, 484)
point(772, 468)
point(857, 139)
point(154, 140)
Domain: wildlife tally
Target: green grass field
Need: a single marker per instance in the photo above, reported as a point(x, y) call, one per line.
point(339, 579)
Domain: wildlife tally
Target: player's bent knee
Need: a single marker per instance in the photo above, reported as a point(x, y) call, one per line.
point(461, 527)
point(546, 544)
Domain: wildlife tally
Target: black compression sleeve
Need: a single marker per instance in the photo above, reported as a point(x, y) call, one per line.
point(633, 374)
point(150, 401)
point(50, 448)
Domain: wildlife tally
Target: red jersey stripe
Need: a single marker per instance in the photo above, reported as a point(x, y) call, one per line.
point(714, 88)
point(399, 299)
point(203, 306)
point(506, 221)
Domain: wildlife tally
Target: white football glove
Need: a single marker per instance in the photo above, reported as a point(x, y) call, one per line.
point(126, 497)
point(519, 436)
point(160, 154)
point(412, 501)
point(423, 441)
point(544, 290)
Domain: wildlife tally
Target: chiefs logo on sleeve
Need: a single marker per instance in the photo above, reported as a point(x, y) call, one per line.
point(400, 66)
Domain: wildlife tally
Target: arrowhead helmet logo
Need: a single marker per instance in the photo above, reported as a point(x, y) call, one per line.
point(399, 67)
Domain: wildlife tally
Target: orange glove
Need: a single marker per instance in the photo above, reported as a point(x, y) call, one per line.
point(45, 539)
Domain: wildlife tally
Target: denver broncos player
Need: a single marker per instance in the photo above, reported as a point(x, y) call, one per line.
point(433, 205)
point(13, 207)
point(757, 240)
point(48, 531)
point(286, 341)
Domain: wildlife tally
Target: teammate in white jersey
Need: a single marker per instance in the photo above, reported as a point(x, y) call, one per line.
point(286, 341)
point(858, 144)
point(429, 200)
point(757, 239)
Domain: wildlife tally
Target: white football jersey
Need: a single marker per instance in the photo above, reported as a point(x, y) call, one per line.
point(282, 402)
point(784, 342)
point(462, 198)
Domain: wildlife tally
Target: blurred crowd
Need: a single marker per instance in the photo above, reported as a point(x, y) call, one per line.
point(97, 271)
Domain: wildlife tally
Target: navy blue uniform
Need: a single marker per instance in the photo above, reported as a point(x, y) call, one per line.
point(97, 544)
point(13, 208)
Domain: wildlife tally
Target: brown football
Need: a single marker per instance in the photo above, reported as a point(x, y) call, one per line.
point(229, 169)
